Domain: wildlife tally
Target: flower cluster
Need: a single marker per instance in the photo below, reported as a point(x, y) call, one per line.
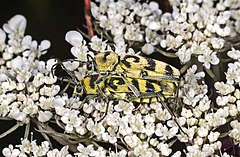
point(27, 89)
point(31, 148)
point(207, 103)
point(129, 21)
point(194, 29)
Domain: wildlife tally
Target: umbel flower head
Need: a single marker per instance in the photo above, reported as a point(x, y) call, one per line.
point(27, 89)
point(201, 35)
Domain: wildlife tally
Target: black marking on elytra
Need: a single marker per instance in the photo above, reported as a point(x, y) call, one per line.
point(150, 100)
point(128, 64)
point(120, 81)
point(169, 70)
point(104, 59)
point(151, 64)
point(149, 87)
point(118, 61)
point(114, 82)
point(143, 73)
point(93, 79)
point(135, 83)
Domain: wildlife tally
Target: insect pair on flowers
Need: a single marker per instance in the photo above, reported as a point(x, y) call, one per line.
point(128, 77)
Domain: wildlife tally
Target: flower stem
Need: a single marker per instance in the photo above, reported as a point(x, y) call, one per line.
point(88, 18)
point(166, 54)
point(27, 130)
point(12, 129)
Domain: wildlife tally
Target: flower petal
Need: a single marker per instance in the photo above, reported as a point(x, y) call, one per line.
point(74, 38)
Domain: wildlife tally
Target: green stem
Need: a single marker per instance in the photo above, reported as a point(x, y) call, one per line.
point(186, 66)
point(51, 132)
point(27, 130)
point(211, 74)
point(166, 54)
point(12, 129)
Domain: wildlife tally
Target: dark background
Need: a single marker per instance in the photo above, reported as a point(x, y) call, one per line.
point(46, 19)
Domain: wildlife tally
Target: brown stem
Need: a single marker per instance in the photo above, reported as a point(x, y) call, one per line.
point(88, 18)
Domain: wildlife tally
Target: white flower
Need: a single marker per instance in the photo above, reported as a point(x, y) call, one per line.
point(202, 132)
point(154, 25)
point(162, 114)
point(97, 44)
point(88, 108)
point(204, 104)
point(186, 113)
point(150, 118)
point(30, 108)
point(61, 153)
point(50, 91)
point(233, 110)
point(164, 133)
point(222, 100)
point(84, 151)
point(127, 108)
point(171, 42)
point(71, 65)
point(177, 154)
point(233, 73)
point(44, 116)
point(36, 50)
point(136, 122)
point(198, 140)
point(16, 114)
point(164, 148)
point(198, 36)
point(16, 27)
point(215, 119)
point(132, 141)
point(50, 64)
point(184, 54)
point(122, 153)
point(153, 6)
point(217, 43)
point(193, 150)
point(71, 120)
point(152, 37)
point(10, 151)
point(191, 98)
point(234, 54)
point(180, 17)
point(74, 38)
point(109, 138)
point(133, 33)
point(23, 75)
point(148, 49)
point(223, 32)
point(224, 88)
point(97, 129)
point(142, 150)
point(208, 58)
point(223, 17)
point(213, 136)
point(17, 63)
point(79, 50)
